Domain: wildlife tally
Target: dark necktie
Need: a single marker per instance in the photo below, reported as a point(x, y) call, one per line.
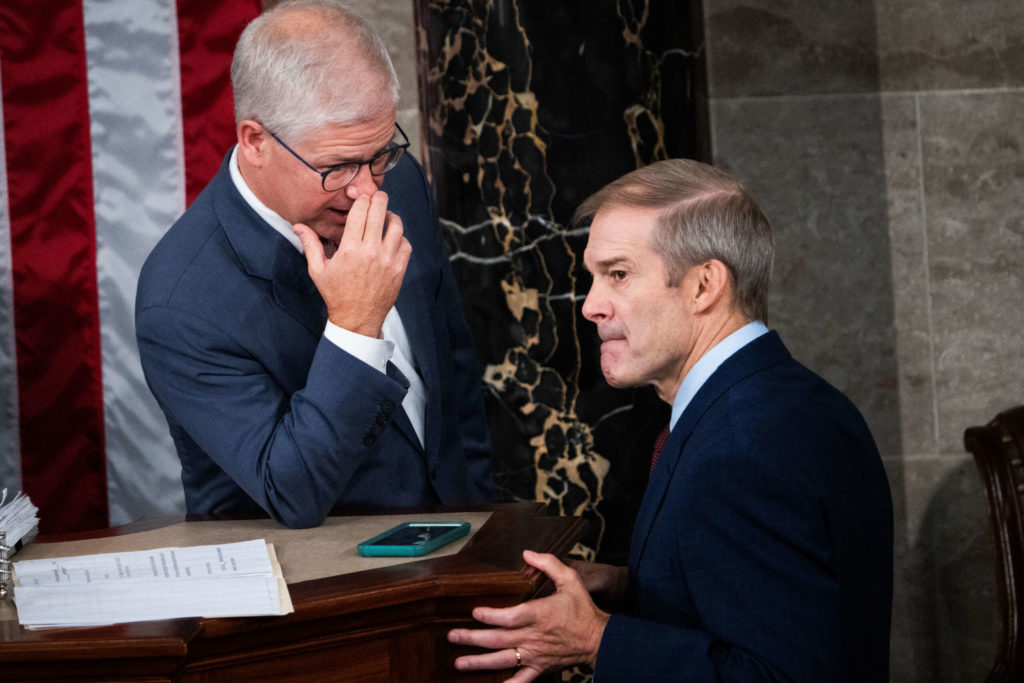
point(659, 443)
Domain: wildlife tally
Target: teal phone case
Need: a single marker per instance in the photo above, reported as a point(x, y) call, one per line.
point(413, 539)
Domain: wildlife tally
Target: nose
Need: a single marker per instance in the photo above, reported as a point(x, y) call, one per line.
point(365, 183)
point(595, 306)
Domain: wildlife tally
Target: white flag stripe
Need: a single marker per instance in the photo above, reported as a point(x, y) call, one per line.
point(139, 187)
point(10, 459)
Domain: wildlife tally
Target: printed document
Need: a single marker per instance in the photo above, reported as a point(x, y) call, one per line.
point(224, 580)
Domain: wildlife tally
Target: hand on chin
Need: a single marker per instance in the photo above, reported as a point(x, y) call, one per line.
point(330, 230)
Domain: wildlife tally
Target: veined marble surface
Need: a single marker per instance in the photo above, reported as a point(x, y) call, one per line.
point(530, 108)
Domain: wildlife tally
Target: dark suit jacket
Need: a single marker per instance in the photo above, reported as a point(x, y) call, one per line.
point(763, 546)
point(267, 413)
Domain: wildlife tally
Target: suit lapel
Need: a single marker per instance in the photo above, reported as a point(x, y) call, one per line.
point(657, 487)
point(759, 354)
point(415, 303)
point(267, 255)
point(295, 292)
point(414, 308)
point(400, 418)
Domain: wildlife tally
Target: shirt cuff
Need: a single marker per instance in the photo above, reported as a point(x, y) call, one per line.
point(374, 352)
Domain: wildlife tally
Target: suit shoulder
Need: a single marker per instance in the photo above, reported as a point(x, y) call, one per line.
point(410, 196)
point(175, 255)
point(787, 411)
point(408, 174)
point(789, 388)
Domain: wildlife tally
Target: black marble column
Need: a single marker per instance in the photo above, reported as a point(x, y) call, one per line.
point(529, 107)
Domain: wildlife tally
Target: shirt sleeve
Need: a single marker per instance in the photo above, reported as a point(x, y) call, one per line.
point(374, 352)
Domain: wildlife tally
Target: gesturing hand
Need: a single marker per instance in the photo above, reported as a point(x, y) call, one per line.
point(562, 629)
point(360, 282)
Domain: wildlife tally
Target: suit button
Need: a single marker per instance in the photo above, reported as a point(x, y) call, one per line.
point(382, 419)
point(387, 407)
point(433, 473)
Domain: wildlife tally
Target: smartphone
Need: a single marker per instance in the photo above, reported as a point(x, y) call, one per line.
point(413, 538)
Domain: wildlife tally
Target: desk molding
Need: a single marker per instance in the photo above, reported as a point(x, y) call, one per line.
point(385, 624)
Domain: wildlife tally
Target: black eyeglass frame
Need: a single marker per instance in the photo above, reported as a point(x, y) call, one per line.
point(389, 150)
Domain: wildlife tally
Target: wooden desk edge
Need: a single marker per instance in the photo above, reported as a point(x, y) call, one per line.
point(490, 565)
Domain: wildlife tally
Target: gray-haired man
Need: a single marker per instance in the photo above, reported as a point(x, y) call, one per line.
point(763, 546)
point(299, 324)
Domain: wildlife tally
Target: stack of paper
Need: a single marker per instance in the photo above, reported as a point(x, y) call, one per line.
point(230, 580)
point(18, 519)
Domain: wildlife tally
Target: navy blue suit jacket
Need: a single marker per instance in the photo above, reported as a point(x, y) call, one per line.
point(763, 546)
point(267, 413)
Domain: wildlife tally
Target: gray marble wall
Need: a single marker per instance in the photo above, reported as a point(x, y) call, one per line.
point(885, 141)
point(393, 20)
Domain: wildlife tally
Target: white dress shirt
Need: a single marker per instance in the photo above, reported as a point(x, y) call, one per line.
point(394, 345)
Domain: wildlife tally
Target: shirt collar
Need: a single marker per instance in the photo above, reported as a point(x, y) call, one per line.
point(273, 218)
point(709, 362)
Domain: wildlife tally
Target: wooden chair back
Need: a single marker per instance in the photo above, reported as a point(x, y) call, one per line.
point(998, 449)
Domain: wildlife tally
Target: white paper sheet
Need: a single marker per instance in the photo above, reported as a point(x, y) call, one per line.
point(224, 580)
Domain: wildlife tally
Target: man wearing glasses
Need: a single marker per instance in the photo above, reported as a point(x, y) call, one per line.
point(299, 324)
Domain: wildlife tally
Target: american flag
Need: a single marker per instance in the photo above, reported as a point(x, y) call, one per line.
point(114, 115)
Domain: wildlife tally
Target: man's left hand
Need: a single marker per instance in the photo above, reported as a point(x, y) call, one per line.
point(563, 629)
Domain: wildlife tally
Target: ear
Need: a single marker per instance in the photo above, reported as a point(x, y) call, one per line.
point(253, 140)
point(713, 286)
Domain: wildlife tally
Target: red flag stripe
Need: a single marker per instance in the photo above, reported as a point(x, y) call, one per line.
point(53, 254)
point(207, 34)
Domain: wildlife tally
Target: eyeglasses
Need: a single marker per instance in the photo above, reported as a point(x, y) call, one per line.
point(340, 175)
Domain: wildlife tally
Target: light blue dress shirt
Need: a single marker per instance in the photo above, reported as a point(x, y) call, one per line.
point(709, 362)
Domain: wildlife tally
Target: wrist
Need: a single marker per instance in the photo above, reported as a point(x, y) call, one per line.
point(363, 326)
point(597, 633)
point(373, 351)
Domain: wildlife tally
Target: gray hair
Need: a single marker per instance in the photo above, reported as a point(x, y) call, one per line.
point(703, 214)
point(319, 69)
